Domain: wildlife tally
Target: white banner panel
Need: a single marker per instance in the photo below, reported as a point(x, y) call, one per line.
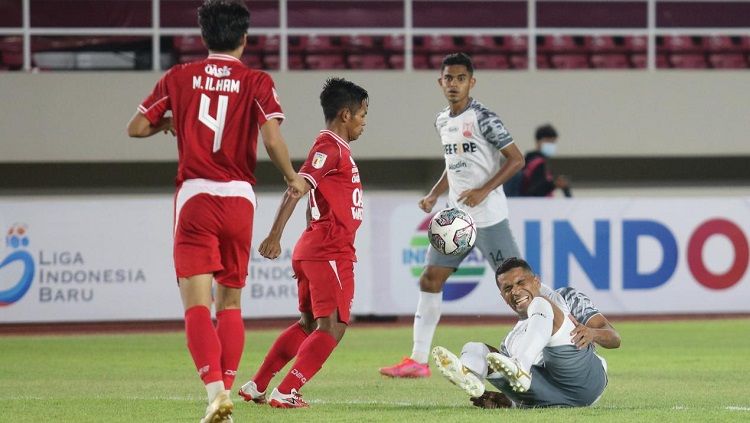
point(629, 255)
point(109, 258)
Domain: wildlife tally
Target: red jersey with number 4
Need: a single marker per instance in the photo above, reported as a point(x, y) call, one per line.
point(218, 104)
point(335, 201)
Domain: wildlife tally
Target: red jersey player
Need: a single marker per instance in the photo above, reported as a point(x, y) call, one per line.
point(217, 106)
point(323, 259)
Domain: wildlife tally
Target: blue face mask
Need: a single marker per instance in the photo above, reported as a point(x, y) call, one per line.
point(549, 149)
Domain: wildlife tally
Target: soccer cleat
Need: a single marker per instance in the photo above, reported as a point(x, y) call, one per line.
point(519, 380)
point(406, 368)
point(219, 410)
point(450, 367)
point(250, 392)
point(292, 400)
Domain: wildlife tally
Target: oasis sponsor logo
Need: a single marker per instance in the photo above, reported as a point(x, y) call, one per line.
point(462, 281)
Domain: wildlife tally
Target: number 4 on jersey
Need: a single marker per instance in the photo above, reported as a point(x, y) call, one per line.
point(216, 125)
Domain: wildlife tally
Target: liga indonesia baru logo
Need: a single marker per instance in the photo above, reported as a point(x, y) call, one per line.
point(463, 280)
point(17, 240)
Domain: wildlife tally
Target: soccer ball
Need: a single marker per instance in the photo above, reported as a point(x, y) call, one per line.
point(452, 231)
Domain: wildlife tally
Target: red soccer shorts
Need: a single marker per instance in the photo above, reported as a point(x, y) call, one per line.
point(325, 286)
point(213, 235)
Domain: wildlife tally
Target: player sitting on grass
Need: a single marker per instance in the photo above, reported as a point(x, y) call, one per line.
point(547, 359)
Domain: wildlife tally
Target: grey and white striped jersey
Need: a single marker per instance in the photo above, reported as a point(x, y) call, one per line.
point(472, 141)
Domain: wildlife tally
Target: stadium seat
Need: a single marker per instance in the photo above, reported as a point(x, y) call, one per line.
point(394, 44)
point(515, 43)
point(679, 44)
point(722, 43)
point(324, 44)
point(610, 61)
point(272, 44)
point(636, 44)
point(271, 61)
point(295, 61)
point(252, 60)
point(569, 61)
point(296, 44)
point(519, 61)
point(186, 58)
point(559, 44)
point(367, 61)
point(602, 44)
point(543, 62)
point(188, 44)
point(728, 61)
point(490, 61)
point(435, 43)
point(480, 43)
point(435, 61)
point(640, 61)
point(325, 61)
point(396, 61)
point(420, 61)
point(362, 43)
point(688, 61)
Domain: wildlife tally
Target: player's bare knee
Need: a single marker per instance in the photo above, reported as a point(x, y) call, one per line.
point(432, 280)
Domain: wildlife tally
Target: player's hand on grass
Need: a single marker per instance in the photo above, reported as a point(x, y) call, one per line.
point(270, 248)
point(427, 203)
point(490, 400)
point(582, 335)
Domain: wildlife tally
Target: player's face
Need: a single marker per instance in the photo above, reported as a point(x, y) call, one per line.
point(456, 82)
point(357, 121)
point(518, 287)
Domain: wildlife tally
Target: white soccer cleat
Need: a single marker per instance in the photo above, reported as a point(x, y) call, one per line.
point(519, 380)
point(220, 409)
point(450, 366)
point(250, 392)
point(291, 400)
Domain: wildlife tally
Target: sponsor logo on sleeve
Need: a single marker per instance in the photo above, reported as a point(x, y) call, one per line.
point(319, 159)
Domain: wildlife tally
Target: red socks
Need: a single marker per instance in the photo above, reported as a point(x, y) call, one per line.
point(281, 352)
point(203, 343)
point(231, 332)
point(313, 352)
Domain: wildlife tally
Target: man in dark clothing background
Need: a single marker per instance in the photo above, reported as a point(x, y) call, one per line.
point(538, 180)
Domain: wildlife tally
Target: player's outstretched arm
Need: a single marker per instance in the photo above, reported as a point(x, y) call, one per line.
point(279, 154)
point(271, 246)
point(427, 202)
point(140, 127)
point(597, 330)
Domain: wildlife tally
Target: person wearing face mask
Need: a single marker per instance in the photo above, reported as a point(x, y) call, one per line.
point(538, 180)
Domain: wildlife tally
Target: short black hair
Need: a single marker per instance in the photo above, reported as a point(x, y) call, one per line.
point(458, 59)
point(339, 93)
point(223, 23)
point(511, 263)
point(545, 131)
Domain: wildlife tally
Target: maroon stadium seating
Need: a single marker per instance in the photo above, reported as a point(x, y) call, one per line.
point(610, 61)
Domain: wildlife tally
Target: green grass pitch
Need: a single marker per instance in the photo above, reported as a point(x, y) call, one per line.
point(683, 371)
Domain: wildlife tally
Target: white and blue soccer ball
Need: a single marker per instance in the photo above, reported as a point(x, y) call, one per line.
point(452, 231)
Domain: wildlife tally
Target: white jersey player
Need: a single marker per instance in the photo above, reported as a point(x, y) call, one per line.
point(479, 156)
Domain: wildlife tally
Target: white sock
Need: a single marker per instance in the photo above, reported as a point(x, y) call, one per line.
point(213, 389)
point(425, 323)
point(474, 358)
point(538, 332)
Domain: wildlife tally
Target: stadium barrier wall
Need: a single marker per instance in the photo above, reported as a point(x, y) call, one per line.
point(108, 257)
point(598, 113)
